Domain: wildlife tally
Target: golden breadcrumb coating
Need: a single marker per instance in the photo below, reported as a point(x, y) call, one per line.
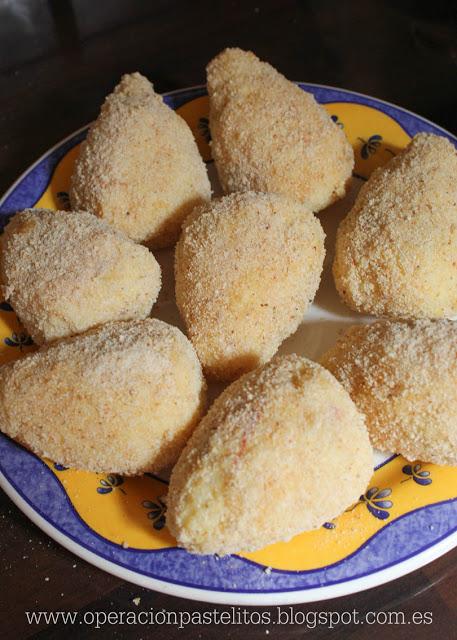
point(403, 377)
point(282, 450)
point(67, 272)
point(139, 167)
point(122, 398)
point(270, 135)
point(247, 268)
point(396, 251)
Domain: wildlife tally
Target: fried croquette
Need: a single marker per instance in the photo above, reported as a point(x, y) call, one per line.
point(122, 398)
point(66, 272)
point(403, 377)
point(139, 167)
point(396, 250)
point(281, 451)
point(270, 135)
point(247, 267)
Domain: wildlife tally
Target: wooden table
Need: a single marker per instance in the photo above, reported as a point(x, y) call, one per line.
point(58, 59)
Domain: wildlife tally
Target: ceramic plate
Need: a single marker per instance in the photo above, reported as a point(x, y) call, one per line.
point(406, 518)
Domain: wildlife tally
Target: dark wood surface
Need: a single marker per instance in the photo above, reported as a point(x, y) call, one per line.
point(58, 59)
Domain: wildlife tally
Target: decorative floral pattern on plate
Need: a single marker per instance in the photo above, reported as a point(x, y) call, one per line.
point(416, 473)
point(60, 467)
point(376, 503)
point(370, 146)
point(337, 121)
point(203, 125)
point(111, 482)
point(19, 340)
point(156, 512)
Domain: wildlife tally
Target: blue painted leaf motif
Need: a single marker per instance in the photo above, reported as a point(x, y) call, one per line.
point(59, 467)
point(419, 475)
point(203, 125)
point(370, 493)
point(384, 493)
point(110, 483)
point(383, 504)
point(423, 481)
point(370, 146)
point(156, 513)
point(115, 481)
point(337, 121)
point(376, 505)
point(378, 513)
point(329, 525)
point(18, 340)
point(103, 490)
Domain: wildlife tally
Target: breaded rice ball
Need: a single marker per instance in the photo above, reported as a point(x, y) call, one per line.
point(270, 135)
point(281, 451)
point(122, 398)
point(66, 272)
point(247, 267)
point(396, 251)
point(403, 377)
point(139, 167)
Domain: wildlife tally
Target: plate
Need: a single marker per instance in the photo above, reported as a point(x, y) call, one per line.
point(406, 518)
